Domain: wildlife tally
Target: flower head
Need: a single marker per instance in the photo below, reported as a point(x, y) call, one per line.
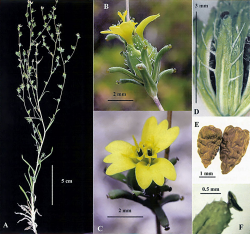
point(127, 29)
point(143, 156)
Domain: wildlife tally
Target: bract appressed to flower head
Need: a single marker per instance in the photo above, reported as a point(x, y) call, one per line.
point(143, 156)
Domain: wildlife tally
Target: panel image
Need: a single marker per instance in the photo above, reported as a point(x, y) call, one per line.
point(142, 55)
point(220, 208)
point(221, 150)
point(221, 58)
point(136, 182)
point(46, 117)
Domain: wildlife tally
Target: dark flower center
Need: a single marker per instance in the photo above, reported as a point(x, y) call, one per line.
point(149, 152)
point(140, 153)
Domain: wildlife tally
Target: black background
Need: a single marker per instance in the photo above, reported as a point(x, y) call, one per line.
point(70, 135)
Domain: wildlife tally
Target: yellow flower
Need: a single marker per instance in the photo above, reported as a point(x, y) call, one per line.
point(143, 156)
point(126, 29)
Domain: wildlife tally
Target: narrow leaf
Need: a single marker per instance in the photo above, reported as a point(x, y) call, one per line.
point(28, 165)
point(24, 193)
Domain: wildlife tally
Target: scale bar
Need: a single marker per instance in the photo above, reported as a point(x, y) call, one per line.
point(52, 185)
point(207, 176)
point(210, 193)
point(125, 216)
point(121, 100)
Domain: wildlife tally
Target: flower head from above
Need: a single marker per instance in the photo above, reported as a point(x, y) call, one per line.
point(143, 156)
point(127, 29)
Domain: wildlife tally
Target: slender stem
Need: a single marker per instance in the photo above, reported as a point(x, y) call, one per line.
point(127, 8)
point(169, 118)
point(158, 104)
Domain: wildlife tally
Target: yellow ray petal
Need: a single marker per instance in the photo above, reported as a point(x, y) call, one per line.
point(122, 16)
point(143, 175)
point(124, 164)
point(140, 28)
point(148, 129)
point(119, 146)
point(164, 168)
point(124, 30)
point(164, 138)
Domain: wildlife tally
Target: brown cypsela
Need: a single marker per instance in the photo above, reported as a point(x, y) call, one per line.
point(208, 143)
point(233, 147)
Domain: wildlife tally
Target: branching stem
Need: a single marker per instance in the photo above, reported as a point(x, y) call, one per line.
point(28, 92)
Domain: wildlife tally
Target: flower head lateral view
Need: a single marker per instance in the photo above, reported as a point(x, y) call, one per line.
point(141, 58)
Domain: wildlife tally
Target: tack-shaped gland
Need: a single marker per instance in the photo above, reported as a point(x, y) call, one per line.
point(208, 143)
point(233, 147)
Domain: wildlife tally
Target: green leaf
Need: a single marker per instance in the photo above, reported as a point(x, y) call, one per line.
point(50, 123)
point(28, 119)
point(60, 86)
point(34, 138)
point(161, 216)
point(43, 93)
point(171, 198)
point(28, 165)
point(47, 155)
point(40, 136)
point(119, 193)
point(137, 193)
point(27, 181)
point(24, 193)
point(20, 97)
point(58, 99)
point(119, 176)
point(157, 63)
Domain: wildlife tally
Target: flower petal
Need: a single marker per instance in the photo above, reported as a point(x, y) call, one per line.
point(164, 168)
point(124, 30)
point(160, 135)
point(149, 129)
point(123, 164)
point(144, 23)
point(164, 138)
point(121, 157)
point(143, 175)
point(122, 16)
point(119, 146)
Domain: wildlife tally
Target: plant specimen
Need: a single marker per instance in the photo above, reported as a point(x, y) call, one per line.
point(33, 90)
point(208, 143)
point(215, 217)
point(222, 59)
point(146, 171)
point(140, 56)
point(233, 147)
